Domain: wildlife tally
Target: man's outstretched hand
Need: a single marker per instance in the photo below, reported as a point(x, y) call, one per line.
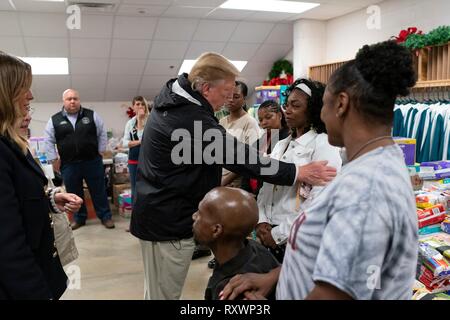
point(316, 173)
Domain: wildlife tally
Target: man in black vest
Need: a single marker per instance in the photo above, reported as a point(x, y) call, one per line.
point(80, 137)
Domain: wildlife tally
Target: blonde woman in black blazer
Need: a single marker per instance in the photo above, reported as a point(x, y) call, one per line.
point(29, 262)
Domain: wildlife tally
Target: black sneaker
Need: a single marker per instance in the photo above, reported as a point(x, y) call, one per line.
point(212, 263)
point(200, 253)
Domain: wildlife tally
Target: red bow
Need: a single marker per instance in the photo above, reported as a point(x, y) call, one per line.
point(279, 81)
point(404, 34)
point(130, 112)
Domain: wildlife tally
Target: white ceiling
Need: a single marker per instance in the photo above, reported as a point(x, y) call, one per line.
point(139, 44)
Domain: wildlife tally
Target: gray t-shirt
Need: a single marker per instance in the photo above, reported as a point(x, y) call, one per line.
point(359, 235)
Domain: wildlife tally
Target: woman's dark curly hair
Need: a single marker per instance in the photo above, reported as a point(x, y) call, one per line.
point(273, 106)
point(315, 103)
point(379, 74)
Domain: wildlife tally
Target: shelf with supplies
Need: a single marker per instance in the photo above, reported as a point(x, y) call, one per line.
point(264, 93)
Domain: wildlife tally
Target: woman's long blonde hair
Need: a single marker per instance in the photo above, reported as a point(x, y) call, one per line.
point(15, 80)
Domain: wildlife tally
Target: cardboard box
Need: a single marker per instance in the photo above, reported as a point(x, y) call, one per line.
point(117, 190)
point(121, 167)
point(121, 178)
point(408, 147)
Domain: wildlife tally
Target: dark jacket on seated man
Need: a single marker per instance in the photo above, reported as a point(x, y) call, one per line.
point(254, 258)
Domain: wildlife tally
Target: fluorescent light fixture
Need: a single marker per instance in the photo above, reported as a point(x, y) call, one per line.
point(188, 64)
point(48, 0)
point(47, 65)
point(269, 5)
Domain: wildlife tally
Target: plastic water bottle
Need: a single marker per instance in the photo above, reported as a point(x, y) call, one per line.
point(42, 157)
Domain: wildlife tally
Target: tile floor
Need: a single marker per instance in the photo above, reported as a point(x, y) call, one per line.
point(111, 266)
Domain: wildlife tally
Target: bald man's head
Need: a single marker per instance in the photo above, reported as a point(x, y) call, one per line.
point(225, 212)
point(71, 100)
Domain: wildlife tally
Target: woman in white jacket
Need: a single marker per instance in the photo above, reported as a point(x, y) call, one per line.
point(279, 205)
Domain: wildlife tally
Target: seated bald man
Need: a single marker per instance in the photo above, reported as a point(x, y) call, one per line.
point(225, 217)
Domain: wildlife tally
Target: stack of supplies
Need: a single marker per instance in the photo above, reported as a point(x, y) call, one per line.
point(433, 215)
point(435, 170)
point(426, 295)
point(445, 225)
point(434, 266)
point(125, 204)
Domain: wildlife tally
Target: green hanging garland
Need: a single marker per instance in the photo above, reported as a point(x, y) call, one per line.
point(436, 37)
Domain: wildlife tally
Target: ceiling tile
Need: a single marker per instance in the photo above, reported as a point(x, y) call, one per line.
point(228, 14)
point(325, 12)
point(200, 3)
point(252, 32)
point(168, 49)
point(84, 82)
point(56, 83)
point(269, 16)
point(13, 46)
point(142, 10)
point(120, 94)
point(134, 27)
point(152, 2)
point(9, 24)
point(272, 52)
point(47, 94)
point(186, 12)
point(281, 34)
point(5, 6)
point(123, 81)
point(175, 29)
point(215, 30)
point(94, 26)
point(126, 66)
point(90, 48)
point(88, 66)
point(198, 47)
point(162, 67)
point(92, 95)
point(43, 24)
point(130, 49)
point(256, 68)
point(47, 47)
point(154, 82)
point(240, 51)
point(39, 6)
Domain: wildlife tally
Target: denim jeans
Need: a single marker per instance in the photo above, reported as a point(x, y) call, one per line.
point(132, 168)
point(93, 173)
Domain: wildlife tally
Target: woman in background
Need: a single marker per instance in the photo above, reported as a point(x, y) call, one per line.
point(132, 138)
point(133, 135)
point(271, 119)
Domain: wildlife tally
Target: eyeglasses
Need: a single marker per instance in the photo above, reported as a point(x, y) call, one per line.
point(30, 110)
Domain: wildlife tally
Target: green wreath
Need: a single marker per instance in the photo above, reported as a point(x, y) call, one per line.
point(438, 36)
point(278, 68)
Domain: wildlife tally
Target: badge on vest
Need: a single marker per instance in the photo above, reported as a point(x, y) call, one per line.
point(63, 123)
point(85, 120)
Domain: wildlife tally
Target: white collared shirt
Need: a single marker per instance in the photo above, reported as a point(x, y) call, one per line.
point(278, 204)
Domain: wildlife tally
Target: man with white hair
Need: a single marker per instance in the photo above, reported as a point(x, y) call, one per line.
point(80, 136)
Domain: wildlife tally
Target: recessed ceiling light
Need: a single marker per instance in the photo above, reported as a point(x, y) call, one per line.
point(188, 64)
point(269, 5)
point(48, 66)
